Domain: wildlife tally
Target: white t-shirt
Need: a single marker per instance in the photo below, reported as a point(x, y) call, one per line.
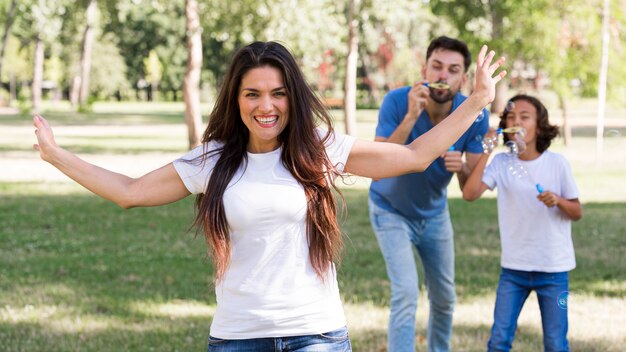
point(534, 237)
point(270, 288)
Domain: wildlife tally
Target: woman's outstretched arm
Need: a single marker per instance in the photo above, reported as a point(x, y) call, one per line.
point(379, 160)
point(157, 187)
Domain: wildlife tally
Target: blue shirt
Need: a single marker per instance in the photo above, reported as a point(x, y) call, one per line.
point(420, 195)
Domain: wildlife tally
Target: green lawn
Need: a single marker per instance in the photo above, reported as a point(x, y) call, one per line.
point(78, 273)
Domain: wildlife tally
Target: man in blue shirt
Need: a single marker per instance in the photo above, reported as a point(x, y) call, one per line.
point(412, 210)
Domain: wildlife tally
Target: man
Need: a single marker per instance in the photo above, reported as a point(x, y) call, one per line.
point(412, 210)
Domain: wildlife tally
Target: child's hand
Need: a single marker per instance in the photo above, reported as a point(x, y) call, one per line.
point(548, 198)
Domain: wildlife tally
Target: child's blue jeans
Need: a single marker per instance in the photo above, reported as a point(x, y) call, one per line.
point(513, 289)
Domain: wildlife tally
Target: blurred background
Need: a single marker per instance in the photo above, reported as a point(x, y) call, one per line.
point(352, 51)
point(128, 85)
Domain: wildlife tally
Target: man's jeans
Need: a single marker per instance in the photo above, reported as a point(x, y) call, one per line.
point(513, 289)
point(433, 239)
point(333, 341)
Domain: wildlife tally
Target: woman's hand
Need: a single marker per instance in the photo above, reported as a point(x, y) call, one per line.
point(485, 81)
point(45, 138)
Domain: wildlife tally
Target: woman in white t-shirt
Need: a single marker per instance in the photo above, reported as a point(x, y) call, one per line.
point(264, 179)
point(537, 201)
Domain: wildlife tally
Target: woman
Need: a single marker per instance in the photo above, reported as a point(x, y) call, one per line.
point(264, 178)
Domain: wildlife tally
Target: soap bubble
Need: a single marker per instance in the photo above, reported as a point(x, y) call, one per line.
point(489, 144)
point(612, 137)
point(481, 116)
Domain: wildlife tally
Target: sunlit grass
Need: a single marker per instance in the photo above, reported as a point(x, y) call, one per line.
point(175, 309)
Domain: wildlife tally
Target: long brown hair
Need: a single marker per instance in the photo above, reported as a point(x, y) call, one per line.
point(545, 131)
point(303, 154)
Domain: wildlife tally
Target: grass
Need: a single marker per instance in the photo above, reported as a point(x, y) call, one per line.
point(78, 273)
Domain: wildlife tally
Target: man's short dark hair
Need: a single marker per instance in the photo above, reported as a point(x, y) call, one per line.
point(451, 44)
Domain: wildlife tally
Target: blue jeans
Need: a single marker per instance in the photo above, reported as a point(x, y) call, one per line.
point(434, 241)
point(333, 341)
point(513, 289)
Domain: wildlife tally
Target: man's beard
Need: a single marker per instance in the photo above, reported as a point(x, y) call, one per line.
point(442, 98)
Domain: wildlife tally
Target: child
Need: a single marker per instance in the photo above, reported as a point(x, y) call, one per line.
point(535, 230)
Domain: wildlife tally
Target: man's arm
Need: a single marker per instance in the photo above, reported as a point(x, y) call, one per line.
point(417, 100)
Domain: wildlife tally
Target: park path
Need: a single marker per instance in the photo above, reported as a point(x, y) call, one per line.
point(20, 163)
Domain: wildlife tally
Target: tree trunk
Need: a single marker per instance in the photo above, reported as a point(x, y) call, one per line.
point(154, 88)
point(5, 35)
point(75, 91)
point(12, 88)
point(349, 101)
point(37, 74)
point(191, 83)
point(85, 57)
point(604, 65)
point(567, 129)
point(373, 91)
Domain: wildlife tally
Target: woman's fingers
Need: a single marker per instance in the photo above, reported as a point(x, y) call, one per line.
point(496, 65)
point(489, 58)
point(499, 76)
point(481, 56)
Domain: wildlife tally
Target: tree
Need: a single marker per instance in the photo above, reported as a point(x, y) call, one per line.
point(37, 23)
point(141, 26)
point(5, 35)
point(349, 101)
point(154, 72)
point(191, 84)
point(603, 74)
point(506, 25)
point(80, 88)
point(397, 36)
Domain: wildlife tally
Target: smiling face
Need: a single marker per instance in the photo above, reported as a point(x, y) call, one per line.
point(445, 66)
point(264, 107)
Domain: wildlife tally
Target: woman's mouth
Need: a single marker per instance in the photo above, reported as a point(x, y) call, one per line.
point(266, 121)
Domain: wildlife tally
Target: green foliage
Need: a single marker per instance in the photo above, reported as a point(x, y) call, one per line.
point(153, 67)
point(141, 26)
point(559, 38)
point(108, 69)
point(17, 61)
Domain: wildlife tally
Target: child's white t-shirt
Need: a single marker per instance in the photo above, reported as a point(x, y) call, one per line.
point(270, 288)
point(534, 237)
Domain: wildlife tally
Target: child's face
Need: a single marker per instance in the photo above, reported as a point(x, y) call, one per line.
point(523, 114)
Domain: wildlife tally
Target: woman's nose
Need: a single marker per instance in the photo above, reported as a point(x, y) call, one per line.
point(265, 105)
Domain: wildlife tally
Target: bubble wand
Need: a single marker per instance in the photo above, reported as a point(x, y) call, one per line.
point(436, 85)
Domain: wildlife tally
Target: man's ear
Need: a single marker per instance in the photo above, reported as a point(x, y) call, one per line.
point(424, 72)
